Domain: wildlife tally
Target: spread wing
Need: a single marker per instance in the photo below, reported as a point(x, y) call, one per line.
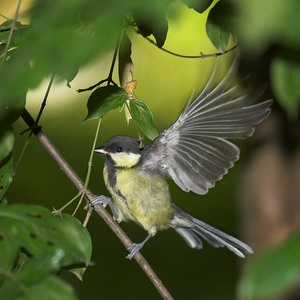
point(195, 151)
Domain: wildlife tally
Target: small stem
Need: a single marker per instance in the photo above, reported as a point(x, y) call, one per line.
point(59, 211)
point(43, 105)
point(78, 204)
point(87, 178)
point(90, 162)
point(109, 79)
point(202, 55)
point(11, 32)
point(115, 56)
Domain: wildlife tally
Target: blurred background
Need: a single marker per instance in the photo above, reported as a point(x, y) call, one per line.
point(258, 201)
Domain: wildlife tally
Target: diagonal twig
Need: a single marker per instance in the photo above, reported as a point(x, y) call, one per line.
point(78, 183)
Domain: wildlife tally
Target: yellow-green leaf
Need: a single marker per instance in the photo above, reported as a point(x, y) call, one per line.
point(142, 115)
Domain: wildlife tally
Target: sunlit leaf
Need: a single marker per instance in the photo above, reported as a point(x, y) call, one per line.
point(285, 83)
point(105, 99)
point(273, 273)
point(142, 115)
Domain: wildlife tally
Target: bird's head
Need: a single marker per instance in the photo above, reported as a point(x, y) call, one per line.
point(122, 151)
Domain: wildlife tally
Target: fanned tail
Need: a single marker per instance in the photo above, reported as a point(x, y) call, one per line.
point(193, 230)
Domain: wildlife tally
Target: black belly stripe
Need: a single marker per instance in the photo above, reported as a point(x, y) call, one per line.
point(112, 180)
point(111, 174)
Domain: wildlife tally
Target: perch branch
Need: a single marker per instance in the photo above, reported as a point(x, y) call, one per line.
point(78, 183)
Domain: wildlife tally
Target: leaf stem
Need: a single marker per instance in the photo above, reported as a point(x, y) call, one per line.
point(11, 32)
point(90, 162)
point(108, 79)
point(43, 105)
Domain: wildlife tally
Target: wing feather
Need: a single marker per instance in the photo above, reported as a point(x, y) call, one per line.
point(195, 151)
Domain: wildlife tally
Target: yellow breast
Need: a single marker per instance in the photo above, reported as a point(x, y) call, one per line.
point(142, 197)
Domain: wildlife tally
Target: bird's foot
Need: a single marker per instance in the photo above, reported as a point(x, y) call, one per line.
point(101, 200)
point(134, 248)
point(104, 201)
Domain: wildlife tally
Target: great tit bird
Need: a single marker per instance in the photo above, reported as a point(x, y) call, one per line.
point(194, 152)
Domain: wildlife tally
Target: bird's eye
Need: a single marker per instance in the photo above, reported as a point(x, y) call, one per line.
point(119, 149)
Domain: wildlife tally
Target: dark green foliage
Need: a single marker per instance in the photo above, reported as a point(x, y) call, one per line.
point(273, 272)
point(108, 98)
point(217, 25)
point(34, 245)
point(105, 99)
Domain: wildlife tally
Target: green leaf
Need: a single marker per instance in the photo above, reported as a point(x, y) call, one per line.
point(105, 99)
point(7, 139)
point(285, 82)
point(11, 108)
point(6, 175)
point(84, 239)
point(49, 288)
point(34, 243)
point(150, 18)
point(216, 30)
point(273, 273)
point(199, 5)
point(142, 115)
point(18, 35)
point(57, 241)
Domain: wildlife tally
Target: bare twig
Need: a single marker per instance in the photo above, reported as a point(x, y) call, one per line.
point(43, 105)
point(78, 183)
point(109, 77)
point(202, 55)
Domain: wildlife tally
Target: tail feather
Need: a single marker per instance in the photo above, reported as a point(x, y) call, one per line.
point(192, 230)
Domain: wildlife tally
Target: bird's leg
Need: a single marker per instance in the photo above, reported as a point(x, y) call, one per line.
point(134, 248)
point(104, 201)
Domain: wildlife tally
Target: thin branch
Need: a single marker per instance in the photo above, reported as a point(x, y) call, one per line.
point(36, 121)
point(109, 77)
point(202, 55)
point(108, 80)
point(43, 105)
point(78, 183)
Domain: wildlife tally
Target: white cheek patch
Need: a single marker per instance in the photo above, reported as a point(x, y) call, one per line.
point(125, 160)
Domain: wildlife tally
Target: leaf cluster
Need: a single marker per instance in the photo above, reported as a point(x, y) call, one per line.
point(105, 99)
point(34, 246)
